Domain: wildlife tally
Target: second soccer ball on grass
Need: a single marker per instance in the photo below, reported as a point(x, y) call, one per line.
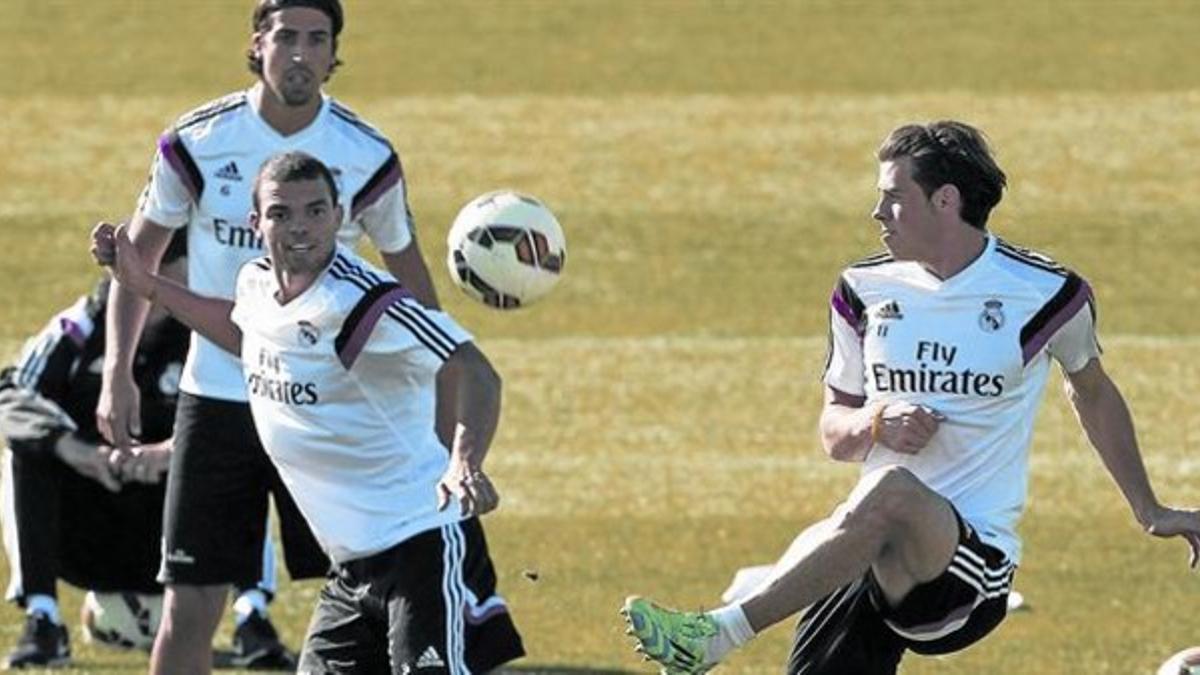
point(121, 620)
point(506, 249)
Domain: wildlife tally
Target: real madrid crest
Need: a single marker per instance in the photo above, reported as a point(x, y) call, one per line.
point(992, 317)
point(309, 335)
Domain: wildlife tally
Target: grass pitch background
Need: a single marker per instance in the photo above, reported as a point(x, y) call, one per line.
point(712, 163)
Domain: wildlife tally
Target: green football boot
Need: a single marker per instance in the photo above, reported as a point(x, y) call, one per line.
point(677, 640)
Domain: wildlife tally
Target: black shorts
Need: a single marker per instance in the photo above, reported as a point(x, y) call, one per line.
point(217, 494)
point(62, 525)
point(427, 605)
point(853, 631)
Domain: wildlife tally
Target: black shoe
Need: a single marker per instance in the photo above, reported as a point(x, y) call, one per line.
point(44, 644)
point(256, 646)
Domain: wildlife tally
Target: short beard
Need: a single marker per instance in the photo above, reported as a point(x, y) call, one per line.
point(296, 99)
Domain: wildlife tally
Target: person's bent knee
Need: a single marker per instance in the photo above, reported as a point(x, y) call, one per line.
point(884, 497)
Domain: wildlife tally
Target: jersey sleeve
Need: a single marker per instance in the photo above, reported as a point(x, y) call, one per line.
point(174, 184)
point(413, 328)
point(1065, 326)
point(844, 362)
point(243, 294)
point(387, 320)
point(1076, 344)
point(381, 207)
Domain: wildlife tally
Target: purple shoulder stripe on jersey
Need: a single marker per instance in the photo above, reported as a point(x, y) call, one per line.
point(362, 319)
point(180, 160)
point(1070, 299)
point(847, 305)
point(387, 177)
point(72, 330)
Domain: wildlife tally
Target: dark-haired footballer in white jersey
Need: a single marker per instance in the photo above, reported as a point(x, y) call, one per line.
point(346, 375)
point(200, 180)
point(939, 353)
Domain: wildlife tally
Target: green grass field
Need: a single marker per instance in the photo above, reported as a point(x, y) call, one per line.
point(712, 163)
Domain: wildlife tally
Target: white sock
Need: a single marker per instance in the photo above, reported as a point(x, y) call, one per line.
point(734, 631)
point(44, 604)
point(249, 602)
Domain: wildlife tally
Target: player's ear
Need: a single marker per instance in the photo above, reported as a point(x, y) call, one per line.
point(254, 52)
point(254, 219)
point(338, 212)
point(947, 197)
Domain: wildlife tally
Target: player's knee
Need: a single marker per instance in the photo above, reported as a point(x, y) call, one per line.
point(883, 498)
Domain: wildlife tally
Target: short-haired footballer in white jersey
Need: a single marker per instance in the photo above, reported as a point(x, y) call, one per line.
point(342, 385)
point(975, 348)
point(346, 374)
point(939, 353)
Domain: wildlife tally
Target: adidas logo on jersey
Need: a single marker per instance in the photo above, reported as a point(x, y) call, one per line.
point(890, 311)
point(229, 172)
point(430, 659)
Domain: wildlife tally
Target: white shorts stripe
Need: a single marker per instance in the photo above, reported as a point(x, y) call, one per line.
point(8, 514)
point(460, 658)
point(451, 593)
point(984, 580)
point(973, 582)
point(980, 563)
point(952, 622)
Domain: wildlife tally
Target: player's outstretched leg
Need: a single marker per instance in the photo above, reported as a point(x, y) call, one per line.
point(681, 641)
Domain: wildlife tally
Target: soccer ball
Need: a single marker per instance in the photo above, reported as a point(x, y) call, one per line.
point(1186, 662)
point(506, 249)
point(121, 620)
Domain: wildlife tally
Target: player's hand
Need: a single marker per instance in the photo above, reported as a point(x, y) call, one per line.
point(87, 460)
point(112, 248)
point(464, 481)
point(1168, 522)
point(908, 428)
point(118, 413)
point(147, 463)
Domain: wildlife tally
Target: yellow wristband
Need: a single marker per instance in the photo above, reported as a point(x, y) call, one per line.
point(877, 424)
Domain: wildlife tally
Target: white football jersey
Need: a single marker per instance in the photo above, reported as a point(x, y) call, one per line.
point(975, 347)
point(342, 388)
point(202, 177)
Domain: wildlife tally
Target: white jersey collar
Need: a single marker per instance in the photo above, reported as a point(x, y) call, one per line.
point(314, 127)
point(966, 274)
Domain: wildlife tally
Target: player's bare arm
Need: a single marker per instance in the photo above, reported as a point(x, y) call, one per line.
point(113, 248)
point(118, 412)
point(850, 427)
point(469, 389)
point(409, 267)
point(1106, 421)
point(87, 459)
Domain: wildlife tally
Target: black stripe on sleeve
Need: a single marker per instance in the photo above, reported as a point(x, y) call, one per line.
point(851, 299)
point(186, 163)
point(418, 310)
point(356, 315)
point(422, 333)
point(392, 163)
point(1051, 309)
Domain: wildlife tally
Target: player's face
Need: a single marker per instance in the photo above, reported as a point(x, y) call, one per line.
point(299, 224)
point(297, 54)
point(907, 216)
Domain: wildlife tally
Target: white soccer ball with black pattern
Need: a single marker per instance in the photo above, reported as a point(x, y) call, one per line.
point(121, 620)
point(507, 249)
